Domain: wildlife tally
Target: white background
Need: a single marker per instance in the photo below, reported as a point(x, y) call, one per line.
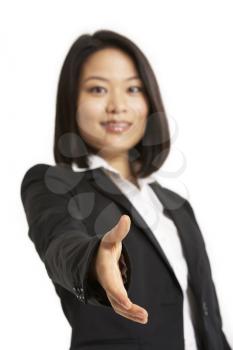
point(189, 45)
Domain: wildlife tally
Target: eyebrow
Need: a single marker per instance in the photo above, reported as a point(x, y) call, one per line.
point(104, 79)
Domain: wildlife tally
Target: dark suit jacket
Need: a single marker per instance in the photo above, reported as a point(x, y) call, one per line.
point(68, 213)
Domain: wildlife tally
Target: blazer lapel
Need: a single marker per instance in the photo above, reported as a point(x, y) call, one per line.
point(189, 233)
point(104, 184)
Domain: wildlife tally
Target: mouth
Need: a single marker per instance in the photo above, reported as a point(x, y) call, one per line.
point(116, 126)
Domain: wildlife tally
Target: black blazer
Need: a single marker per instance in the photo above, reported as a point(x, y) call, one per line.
point(68, 212)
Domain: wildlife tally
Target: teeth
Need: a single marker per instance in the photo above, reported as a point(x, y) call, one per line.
point(116, 126)
point(116, 123)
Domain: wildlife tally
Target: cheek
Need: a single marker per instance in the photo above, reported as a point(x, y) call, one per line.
point(140, 126)
point(140, 119)
point(87, 107)
point(139, 108)
point(141, 112)
point(89, 113)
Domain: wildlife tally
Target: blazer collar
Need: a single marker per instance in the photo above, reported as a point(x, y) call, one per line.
point(173, 207)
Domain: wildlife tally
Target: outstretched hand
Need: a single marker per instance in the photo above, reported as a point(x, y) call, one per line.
point(106, 270)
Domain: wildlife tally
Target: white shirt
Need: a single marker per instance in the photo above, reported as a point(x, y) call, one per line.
point(150, 208)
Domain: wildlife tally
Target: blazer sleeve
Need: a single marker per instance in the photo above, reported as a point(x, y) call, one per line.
point(217, 308)
point(61, 240)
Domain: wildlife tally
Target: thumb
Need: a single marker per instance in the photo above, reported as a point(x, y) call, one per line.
point(119, 231)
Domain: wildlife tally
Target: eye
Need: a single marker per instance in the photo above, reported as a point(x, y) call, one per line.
point(96, 89)
point(138, 88)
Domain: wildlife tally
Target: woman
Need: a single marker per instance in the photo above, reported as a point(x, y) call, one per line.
point(124, 253)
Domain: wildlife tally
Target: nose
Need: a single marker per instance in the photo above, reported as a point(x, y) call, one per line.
point(116, 103)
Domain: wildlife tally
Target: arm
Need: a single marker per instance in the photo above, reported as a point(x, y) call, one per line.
point(226, 345)
point(62, 241)
point(225, 342)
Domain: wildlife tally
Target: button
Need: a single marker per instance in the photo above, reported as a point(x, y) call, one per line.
point(77, 290)
point(205, 308)
point(81, 298)
point(79, 293)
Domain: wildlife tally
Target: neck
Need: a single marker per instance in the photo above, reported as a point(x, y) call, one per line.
point(120, 162)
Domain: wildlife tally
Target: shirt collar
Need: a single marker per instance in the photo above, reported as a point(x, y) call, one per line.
point(96, 161)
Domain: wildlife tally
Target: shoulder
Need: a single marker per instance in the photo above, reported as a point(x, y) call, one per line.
point(36, 170)
point(181, 201)
point(175, 200)
point(171, 197)
point(173, 194)
point(57, 178)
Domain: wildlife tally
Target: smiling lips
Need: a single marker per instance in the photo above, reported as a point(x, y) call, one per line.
point(116, 126)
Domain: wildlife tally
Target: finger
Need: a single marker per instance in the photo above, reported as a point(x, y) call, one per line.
point(114, 286)
point(119, 231)
point(137, 317)
point(122, 301)
point(133, 318)
point(134, 309)
point(117, 291)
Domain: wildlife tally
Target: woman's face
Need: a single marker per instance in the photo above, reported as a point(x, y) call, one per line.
point(110, 89)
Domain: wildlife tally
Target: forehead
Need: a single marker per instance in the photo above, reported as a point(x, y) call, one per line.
point(110, 63)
